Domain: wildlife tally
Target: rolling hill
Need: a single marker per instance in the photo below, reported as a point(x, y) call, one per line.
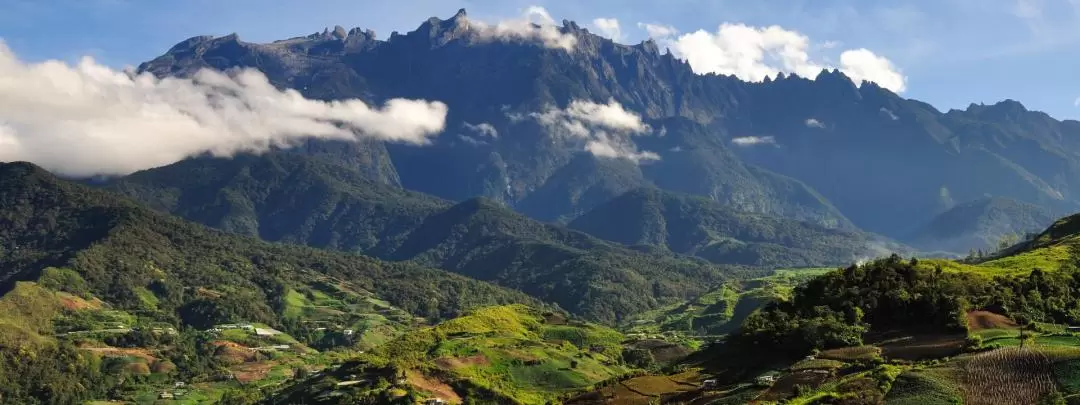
point(701, 227)
point(294, 198)
point(981, 224)
point(497, 355)
point(67, 247)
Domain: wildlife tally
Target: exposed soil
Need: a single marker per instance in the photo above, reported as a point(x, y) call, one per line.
point(76, 303)
point(982, 320)
point(921, 347)
point(249, 372)
point(432, 385)
point(459, 362)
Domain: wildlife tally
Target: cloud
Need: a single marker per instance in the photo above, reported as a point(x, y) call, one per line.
point(608, 27)
point(863, 65)
point(605, 128)
point(534, 24)
point(482, 128)
point(755, 53)
point(87, 119)
point(753, 140)
point(657, 31)
point(814, 123)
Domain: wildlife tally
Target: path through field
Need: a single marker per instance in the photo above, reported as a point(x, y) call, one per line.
point(1008, 376)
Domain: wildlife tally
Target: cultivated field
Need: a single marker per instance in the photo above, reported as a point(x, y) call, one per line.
point(1008, 376)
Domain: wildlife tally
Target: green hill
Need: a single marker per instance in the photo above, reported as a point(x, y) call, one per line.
point(980, 224)
point(508, 354)
point(298, 199)
point(153, 269)
point(701, 227)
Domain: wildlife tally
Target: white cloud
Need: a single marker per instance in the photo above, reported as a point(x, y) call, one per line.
point(534, 24)
point(482, 128)
point(753, 140)
point(608, 27)
point(814, 123)
point(754, 53)
point(605, 128)
point(863, 65)
point(657, 31)
point(88, 119)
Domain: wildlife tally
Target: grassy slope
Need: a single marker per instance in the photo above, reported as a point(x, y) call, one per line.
point(722, 310)
point(513, 352)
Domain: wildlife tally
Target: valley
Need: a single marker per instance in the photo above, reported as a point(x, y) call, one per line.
point(525, 212)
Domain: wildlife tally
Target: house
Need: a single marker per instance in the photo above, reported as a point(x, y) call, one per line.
point(767, 379)
point(179, 384)
point(165, 395)
point(347, 332)
point(266, 332)
point(434, 401)
point(708, 384)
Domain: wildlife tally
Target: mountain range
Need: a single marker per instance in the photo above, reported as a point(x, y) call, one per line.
point(823, 150)
point(575, 182)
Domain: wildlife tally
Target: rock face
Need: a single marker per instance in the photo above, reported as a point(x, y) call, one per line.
point(825, 150)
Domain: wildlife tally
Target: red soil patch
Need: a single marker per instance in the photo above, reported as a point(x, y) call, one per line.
point(982, 320)
point(122, 352)
point(233, 353)
point(921, 347)
point(76, 303)
point(249, 372)
point(434, 386)
point(459, 362)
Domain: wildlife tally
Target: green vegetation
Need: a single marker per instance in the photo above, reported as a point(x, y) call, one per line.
point(982, 224)
point(702, 227)
point(723, 310)
point(511, 352)
point(101, 261)
point(299, 199)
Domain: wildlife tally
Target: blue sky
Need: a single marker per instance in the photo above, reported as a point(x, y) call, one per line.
point(952, 52)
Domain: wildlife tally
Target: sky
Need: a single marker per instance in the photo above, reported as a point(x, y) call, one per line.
point(949, 53)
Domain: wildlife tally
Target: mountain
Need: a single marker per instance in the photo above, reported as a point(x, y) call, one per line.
point(981, 224)
point(701, 227)
point(290, 197)
point(519, 160)
point(822, 149)
point(77, 261)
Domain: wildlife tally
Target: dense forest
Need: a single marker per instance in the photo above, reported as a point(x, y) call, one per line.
point(841, 308)
point(296, 198)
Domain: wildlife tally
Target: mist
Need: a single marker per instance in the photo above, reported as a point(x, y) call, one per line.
point(88, 119)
